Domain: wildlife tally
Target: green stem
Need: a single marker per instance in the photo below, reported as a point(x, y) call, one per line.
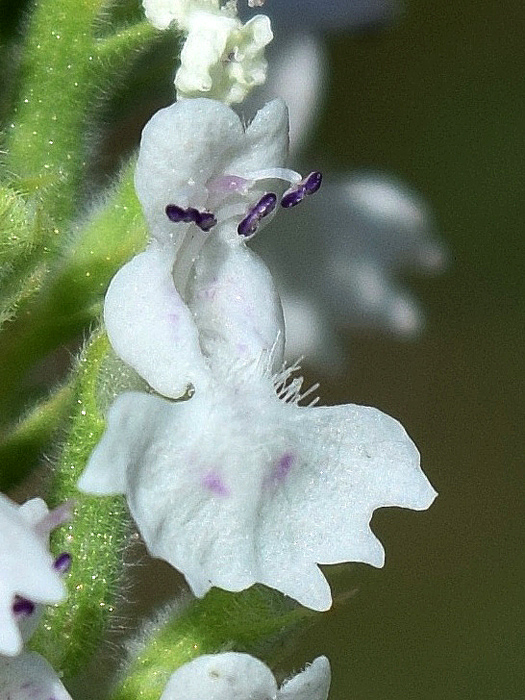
point(65, 72)
point(72, 299)
point(96, 537)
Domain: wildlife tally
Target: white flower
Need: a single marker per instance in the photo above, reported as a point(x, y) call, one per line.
point(203, 182)
point(28, 574)
point(234, 676)
point(239, 484)
point(29, 677)
point(221, 58)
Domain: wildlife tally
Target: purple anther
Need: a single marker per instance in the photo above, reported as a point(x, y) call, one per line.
point(22, 607)
point(62, 563)
point(265, 205)
point(313, 182)
point(250, 223)
point(176, 214)
point(248, 226)
point(204, 220)
point(309, 185)
point(292, 197)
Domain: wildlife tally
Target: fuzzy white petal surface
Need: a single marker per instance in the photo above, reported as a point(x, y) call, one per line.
point(228, 676)
point(29, 677)
point(235, 487)
point(345, 462)
point(266, 140)
point(192, 151)
point(151, 328)
point(236, 308)
point(311, 684)
point(26, 569)
point(182, 147)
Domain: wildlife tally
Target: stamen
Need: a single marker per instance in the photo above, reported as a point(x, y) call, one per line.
point(306, 187)
point(285, 174)
point(22, 607)
point(204, 220)
point(250, 223)
point(62, 563)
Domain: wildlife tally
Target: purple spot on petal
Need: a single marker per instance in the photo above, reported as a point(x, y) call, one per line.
point(215, 484)
point(283, 466)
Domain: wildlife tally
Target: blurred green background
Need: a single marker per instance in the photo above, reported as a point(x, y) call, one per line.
point(438, 99)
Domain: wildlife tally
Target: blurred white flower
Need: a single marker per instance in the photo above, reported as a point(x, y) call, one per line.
point(29, 677)
point(28, 574)
point(337, 264)
point(221, 58)
point(234, 676)
point(363, 231)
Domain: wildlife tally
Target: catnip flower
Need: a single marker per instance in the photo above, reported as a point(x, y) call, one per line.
point(221, 57)
point(28, 574)
point(234, 676)
point(239, 484)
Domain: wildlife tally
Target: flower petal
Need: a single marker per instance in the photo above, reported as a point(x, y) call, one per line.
point(236, 308)
point(266, 141)
point(348, 461)
point(235, 487)
point(192, 508)
point(182, 147)
point(30, 677)
point(312, 684)
point(228, 676)
point(151, 328)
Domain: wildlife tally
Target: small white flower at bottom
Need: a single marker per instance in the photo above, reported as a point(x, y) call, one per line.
point(234, 676)
point(27, 569)
point(29, 677)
